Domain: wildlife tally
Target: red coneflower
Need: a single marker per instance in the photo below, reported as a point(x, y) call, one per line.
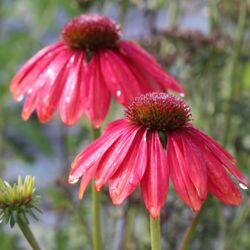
point(81, 72)
point(156, 141)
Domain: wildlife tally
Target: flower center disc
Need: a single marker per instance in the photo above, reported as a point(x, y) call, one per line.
point(91, 31)
point(160, 111)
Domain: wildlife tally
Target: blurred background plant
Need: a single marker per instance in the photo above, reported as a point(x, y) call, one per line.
point(204, 43)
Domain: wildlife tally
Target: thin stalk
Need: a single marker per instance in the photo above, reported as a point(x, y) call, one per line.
point(214, 15)
point(191, 229)
point(233, 68)
point(129, 227)
point(173, 13)
point(155, 233)
point(28, 234)
point(96, 230)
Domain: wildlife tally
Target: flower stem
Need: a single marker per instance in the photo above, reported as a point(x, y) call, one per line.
point(155, 233)
point(233, 69)
point(28, 234)
point(96, 231)
point(191, 229)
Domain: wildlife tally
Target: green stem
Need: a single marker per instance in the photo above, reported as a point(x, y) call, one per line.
point(191, 229)
point(155, 233)
point(233, 68)
point(96, 231)
point(28, 234)
point(129, 227)
point(173, 13)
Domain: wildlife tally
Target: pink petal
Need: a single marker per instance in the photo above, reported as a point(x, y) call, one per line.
point(97, 148)
point(118, 77)
point(218, 151)
point(55, 78)
point(131, 171)
point(154, 184)
point(220, 183)
point(71, 102)
point(179, 172)
point(143, 61)
point(25, 77)
point(97, 95)
point(194, 162)
point(37, 80)
point(112, 159)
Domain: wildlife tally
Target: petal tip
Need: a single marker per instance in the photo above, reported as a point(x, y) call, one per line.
point(154, 212)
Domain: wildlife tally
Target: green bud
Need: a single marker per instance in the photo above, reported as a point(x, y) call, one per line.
point(18, 201)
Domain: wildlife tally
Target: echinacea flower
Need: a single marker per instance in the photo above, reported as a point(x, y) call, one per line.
point(154, 143)
point(81, 72)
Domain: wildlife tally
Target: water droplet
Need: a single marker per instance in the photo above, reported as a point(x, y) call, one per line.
point(243, 186)
point(182, 94)
point(29, 91)
point(73, 180)
point(20, 98)
point(118, 92)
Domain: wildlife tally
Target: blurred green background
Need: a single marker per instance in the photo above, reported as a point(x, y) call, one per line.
point(205, 44)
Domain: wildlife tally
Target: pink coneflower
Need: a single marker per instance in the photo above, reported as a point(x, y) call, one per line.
point(156, 141)
point(81, 72)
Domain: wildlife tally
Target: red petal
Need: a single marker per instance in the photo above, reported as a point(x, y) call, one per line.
point(131, 171)
point(93, 152)
point(55, 78)
point(147, 63)
point(112, 159)
point(97, 95)
point(179, 172)
point(118, 77)
point(37, 81)
point(217, 151)
point(154, 184)
point(194, 162)
point(220, 183)
point(71, 102)
point(31, 69)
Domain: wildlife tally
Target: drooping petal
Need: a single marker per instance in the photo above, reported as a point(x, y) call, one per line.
point(179, 172)
point(71, 104)
point(219, 182)
point(145, 62)
point(25, 77)
point(131, 171)
point(37, 80)
point(118, 77)
point(154, 184)
point(56, 75)
point(195, 165)
point(97, 95)
point(87, 161)
point(112, 159)
point(218, 152)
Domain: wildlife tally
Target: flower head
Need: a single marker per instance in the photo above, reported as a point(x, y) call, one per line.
point(81, 72)
point(18, 201)
point(131, 153)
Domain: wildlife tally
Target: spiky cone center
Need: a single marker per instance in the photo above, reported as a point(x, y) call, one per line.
point(159, 111)
point(91, 31)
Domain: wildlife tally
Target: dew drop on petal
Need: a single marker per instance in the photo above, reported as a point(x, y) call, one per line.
point(182, 94)
point(118, 92)
point(73, 180)
point(20, 98)
point(242, 186)
point(29, 91)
